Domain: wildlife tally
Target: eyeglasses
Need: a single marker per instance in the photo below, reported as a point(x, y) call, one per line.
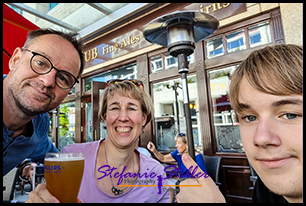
point(137, 82)
point(181, 134)
point(42, 65)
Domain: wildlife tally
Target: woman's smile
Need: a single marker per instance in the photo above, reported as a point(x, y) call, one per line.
point(123, 129)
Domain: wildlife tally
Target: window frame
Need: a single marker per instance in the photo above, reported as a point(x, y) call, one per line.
point(246, 34)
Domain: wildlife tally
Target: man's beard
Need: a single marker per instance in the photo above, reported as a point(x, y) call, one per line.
point(31, 111)
point(25, 106)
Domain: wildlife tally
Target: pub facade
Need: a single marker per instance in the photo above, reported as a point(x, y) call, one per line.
point(124, 53)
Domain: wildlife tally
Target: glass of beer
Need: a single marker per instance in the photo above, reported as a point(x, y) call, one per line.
point(63, 174)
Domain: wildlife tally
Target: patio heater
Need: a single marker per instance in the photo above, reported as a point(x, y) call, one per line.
point(179, 31)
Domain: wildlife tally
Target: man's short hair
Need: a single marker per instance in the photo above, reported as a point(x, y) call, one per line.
point(71, 37)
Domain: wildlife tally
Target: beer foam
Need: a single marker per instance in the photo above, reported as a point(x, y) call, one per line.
point(57, 159)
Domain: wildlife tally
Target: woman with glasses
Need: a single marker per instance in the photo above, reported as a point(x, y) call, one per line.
point(114, 170)
point(182, 147)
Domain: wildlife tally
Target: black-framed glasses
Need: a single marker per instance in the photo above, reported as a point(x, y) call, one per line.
point(181, 134)
point(137, 82)
point(42, 65)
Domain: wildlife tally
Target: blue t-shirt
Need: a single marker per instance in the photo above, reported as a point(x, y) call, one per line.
point(34, 147)
point(183, 171)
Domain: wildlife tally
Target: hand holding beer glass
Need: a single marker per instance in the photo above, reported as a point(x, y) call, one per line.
point(63, 174)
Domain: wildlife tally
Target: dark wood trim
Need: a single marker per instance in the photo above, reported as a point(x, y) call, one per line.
point(85, 99)
point(95, 94)
point(235, 178)
point(203, 94)
point(277, 28)
point(78, 113)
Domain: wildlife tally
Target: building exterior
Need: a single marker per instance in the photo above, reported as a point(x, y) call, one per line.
point(123, 52)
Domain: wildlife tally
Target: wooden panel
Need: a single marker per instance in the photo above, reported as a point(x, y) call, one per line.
point(235, 178)
point(277, 29)
point(96, 86)
point(143, 75)
point(78, 112)
point(208, 144)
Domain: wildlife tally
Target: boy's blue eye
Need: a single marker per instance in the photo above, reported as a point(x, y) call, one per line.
point(290, 116)
point(249, 118)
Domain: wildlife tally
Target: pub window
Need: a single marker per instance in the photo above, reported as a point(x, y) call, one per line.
point(156, 64)
point(165, 62)
point(235, 41)
point(258, 34)
point(72, 91)
point(226, 128)
point(171, 62)
point(214, 47)
point(125, 72)
point(66, 124)
point(169, 115)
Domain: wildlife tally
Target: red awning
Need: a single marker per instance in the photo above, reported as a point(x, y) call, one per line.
point(15, 29)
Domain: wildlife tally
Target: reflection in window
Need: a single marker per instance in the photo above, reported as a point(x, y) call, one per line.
point(259, 34)
point(52, 114)
point(156, 64)
point(226, 128)
point(169, 113)
point(66, 124)
point(72, 91)
point(235, 41)
point(89, 132)
point(170, 62)
point(214, 47)
point(89, 135)
point(125, 72)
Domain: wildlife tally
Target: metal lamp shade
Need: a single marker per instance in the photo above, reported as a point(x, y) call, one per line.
point(180, 39)
point(168, 29)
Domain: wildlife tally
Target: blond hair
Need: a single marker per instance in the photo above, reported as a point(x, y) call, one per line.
point(184, 140)
point(275, 70)
point(126, 89)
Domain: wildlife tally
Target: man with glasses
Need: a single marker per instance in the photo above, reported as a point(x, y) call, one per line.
point(41, 75)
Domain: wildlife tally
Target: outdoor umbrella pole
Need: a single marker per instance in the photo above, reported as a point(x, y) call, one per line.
point(183, 70)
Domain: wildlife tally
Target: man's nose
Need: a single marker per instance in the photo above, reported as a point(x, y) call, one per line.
point(266, 134)
point(49, 78)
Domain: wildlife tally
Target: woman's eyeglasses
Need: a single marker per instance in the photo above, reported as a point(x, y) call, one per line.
point(181, 134)
point(137, 82)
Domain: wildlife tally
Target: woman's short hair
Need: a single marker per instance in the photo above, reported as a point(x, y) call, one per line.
point(275, 70)
point(126, 89)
